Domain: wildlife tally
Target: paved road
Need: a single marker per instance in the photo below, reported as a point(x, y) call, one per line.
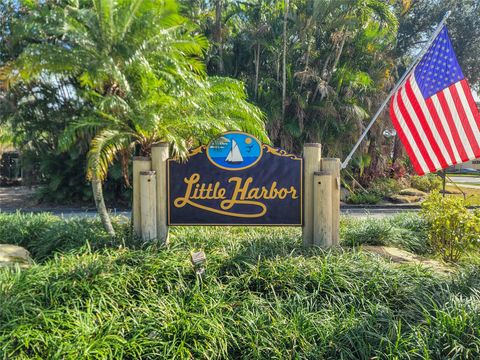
point(471, 180)
point(376, 212)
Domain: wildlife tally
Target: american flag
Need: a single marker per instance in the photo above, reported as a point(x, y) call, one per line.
point(434, 112)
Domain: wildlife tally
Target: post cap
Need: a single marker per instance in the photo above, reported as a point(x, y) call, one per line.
point(141, 158)
point(312, 145)
point(162, 144)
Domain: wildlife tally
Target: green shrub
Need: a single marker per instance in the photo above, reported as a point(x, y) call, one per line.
point(363, 198)
point(427, 183)
point(384, 187)
point(453, 229)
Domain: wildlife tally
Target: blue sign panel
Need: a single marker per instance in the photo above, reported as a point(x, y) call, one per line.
point(235, 180)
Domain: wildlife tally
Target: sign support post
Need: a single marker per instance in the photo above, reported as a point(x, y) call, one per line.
point(148, 206)
point(312, 153)
point(140, 163)
point(237, 180)
point(332, 166)
point(159, 164)
point(322, 211)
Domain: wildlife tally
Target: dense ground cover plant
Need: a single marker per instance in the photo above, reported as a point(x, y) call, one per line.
point(45, 234)
point(362, 197)
point(407, 231)
point(377, 190)
point(453, 229)
point(263, 297)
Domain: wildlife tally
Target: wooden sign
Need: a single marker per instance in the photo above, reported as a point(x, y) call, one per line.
point(235, 180)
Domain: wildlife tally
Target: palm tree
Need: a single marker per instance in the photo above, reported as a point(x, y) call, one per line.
point(284, 58)
point(139, 63)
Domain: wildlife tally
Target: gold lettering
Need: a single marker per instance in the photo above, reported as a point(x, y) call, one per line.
point(282, 193)
point(293, 191)
point(239, 192)
point(273, 191)
point(242, 194)
point(253, 194)
point(221, 193)
point(209, 191)
point(182, 201)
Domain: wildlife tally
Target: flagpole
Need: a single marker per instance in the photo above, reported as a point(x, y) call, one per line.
point(394, 90)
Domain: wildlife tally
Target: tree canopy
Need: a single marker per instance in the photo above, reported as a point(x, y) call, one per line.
point(342, 58)
point(137, 64)
point(129, 73)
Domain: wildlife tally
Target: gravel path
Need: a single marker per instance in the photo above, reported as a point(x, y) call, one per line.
point(17, 197)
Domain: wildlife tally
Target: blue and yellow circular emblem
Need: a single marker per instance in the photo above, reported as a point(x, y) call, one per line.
point(234, 151)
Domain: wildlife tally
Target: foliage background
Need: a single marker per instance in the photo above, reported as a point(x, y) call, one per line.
point(318, 69)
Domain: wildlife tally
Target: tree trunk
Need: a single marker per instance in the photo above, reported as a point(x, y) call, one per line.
point(257, 68)
point(397, 150)
point(100, 204)
point(337, 58)
point(218, 34)
point(278, 67)
point(284, 60)
point(307, 60)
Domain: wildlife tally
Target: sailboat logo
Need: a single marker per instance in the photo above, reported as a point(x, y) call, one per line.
point(234, 156)
point(234, 151)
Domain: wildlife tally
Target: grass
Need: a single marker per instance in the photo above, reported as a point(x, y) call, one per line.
point(263, 297)
point(472, 197)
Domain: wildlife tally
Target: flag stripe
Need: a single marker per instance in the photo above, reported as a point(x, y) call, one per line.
point(442, 124)
point(467, 110)
point(467, 124)
point(404, 134)
point(463, 142)
point(436, 126)
point(465, 130)
point(471, 102)
point(417, 131)
point(431, 132)
point(414, 136)
point(438, 129)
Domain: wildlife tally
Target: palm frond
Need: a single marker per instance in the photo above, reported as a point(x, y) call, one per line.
point(103, 149)
point(85, 127)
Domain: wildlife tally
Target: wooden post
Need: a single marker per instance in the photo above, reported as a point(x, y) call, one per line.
point(312, 154)
point(322, 211)
point(332, 166)
point(159, 165)
point(140, 163)
point(148, 205)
